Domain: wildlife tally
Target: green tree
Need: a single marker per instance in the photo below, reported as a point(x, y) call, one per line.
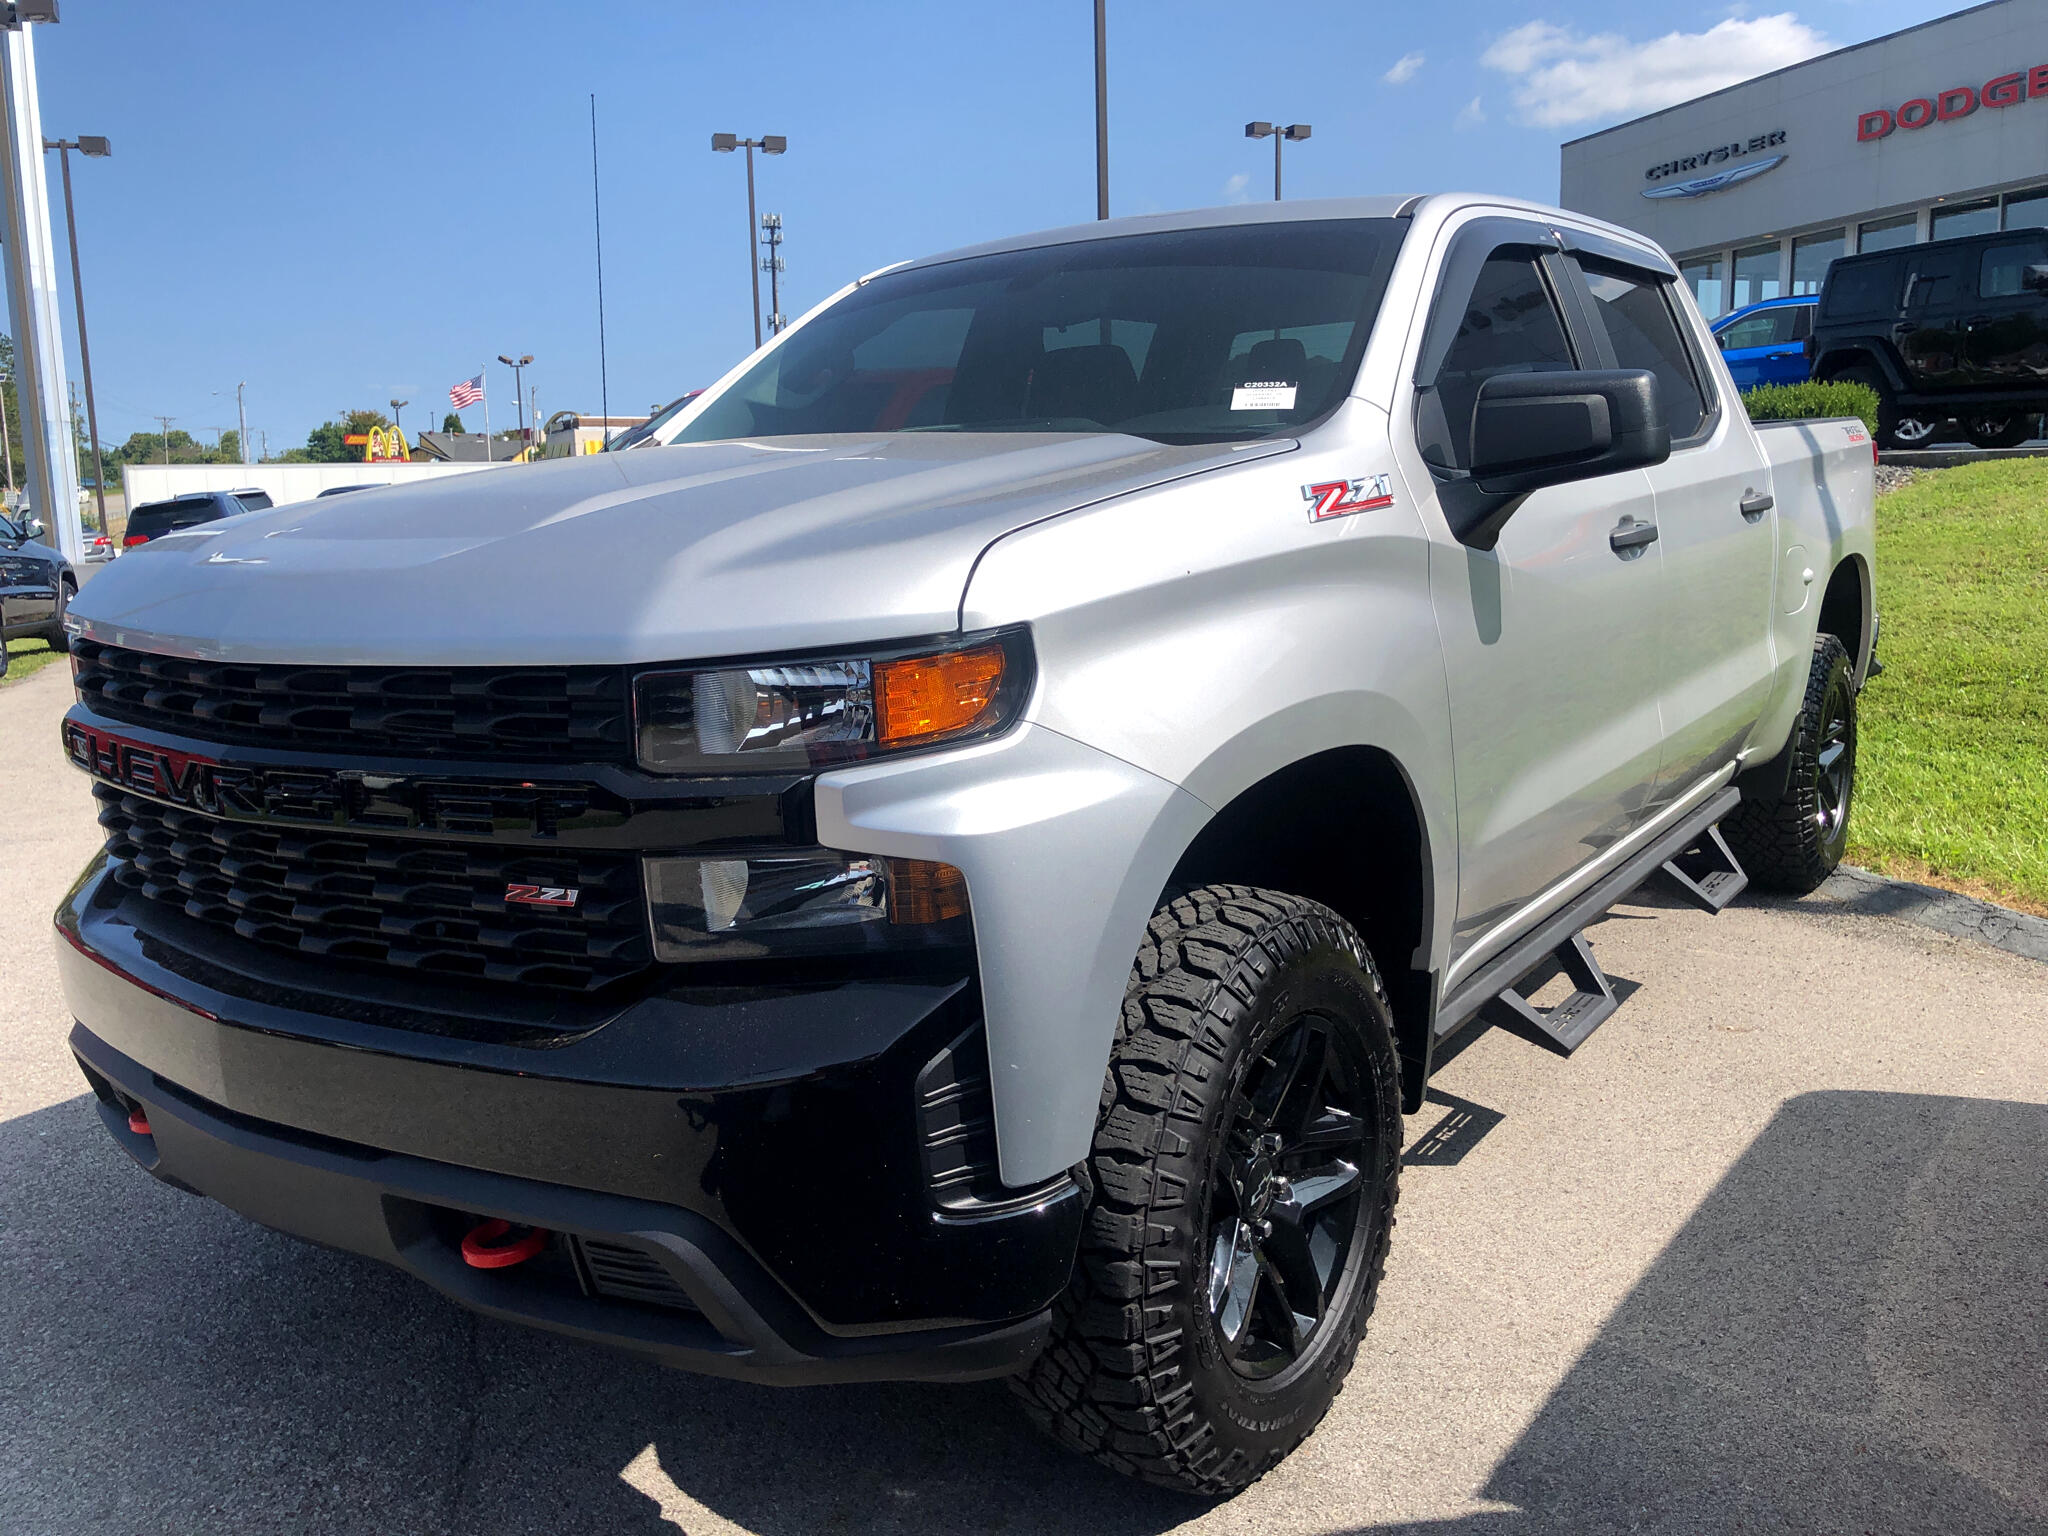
point(230, 451)
point(451, 423)
point(325, 443)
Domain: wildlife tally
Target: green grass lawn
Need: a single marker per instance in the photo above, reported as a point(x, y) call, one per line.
point(1953, 754)
point(25, 657)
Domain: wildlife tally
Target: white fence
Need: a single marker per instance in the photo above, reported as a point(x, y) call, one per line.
point(285, 482)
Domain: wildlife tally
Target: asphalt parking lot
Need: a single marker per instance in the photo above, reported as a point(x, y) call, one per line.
point(1769, 1254)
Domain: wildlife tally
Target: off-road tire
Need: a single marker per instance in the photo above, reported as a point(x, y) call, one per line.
point(1783, 843)
point(1136, 1375)
point(1887, 408)
point(58, 637)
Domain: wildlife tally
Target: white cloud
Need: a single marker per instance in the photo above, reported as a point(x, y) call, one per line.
point(1234, 188)
point(1564, 77)
point(1471, 115)
point(1404, 69)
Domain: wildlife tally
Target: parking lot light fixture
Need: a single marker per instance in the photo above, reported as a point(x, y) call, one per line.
point(1279, 135)
point(95, 147)
point(768, 144)
point(518, 367)
point(396, 407)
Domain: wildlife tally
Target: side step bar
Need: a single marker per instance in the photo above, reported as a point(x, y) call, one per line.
point(1707, 874)
point(1559, 940)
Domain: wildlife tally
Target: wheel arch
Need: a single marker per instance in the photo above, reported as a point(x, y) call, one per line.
point(1856, 354)
point(1344, 826)
point(1846, 611)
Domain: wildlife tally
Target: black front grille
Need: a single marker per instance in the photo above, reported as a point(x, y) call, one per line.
point(436, 908)
point(530, 714)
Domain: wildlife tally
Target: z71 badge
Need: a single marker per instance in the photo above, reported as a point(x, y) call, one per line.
point(1341, 498)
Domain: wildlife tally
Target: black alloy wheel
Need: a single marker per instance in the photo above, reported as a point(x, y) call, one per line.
point(1285, 1199)
point(1834, 778)
point(1793, 841)
point(1240, 1191)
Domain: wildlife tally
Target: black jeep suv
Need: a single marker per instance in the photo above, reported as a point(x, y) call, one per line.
point(1953, 328)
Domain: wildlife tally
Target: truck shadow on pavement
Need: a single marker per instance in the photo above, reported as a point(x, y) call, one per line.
point(1851, 1334)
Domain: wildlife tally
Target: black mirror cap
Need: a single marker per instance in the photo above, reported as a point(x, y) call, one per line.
point(1530, 430)
point(2035, 278)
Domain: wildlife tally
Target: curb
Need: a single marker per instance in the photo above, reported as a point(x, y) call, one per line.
point(1963, 917)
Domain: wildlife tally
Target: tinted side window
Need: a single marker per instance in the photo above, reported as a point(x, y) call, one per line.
point(1760, 330)
point(1866, 288)
point(1934, 280)
point(2003, 273)
point(1640, 326)
point(1508, 323)
point(1802, 322)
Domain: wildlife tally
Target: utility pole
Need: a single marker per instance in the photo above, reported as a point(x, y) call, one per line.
point(1101, 110)
point(7, 437)
point(32, 281)
point(771, 236)
point(241, 422)
point(167, 420)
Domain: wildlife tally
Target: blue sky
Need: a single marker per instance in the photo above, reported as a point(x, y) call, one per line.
point(340, 204)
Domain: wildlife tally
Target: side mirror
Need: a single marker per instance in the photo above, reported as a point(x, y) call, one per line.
point(2035, 278)
point(1721, 340)
point(33, 527)
point(1530, 430)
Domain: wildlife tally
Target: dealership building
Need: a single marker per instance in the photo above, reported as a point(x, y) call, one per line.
point(1937, 131)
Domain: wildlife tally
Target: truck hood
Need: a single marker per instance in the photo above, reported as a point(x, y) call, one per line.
point(659, 554)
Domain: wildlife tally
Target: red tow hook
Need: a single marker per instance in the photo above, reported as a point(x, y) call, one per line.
point(138, 1121)
point(484, 1245)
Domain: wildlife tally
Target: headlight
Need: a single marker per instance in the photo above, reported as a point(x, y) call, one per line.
point(802, 901)
point(798, 714)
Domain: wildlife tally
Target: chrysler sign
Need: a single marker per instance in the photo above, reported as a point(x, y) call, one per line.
point(1713, 165)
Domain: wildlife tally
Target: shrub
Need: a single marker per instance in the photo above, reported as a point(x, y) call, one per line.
point(1792, 402)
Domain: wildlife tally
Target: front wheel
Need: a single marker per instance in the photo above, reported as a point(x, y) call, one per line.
point(1241, 1196)
point(1894, 430)
point(1998, 431)
point(58, 637)
point(1794, 842)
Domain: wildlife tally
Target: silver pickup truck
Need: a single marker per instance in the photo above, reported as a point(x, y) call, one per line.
point(955, 858)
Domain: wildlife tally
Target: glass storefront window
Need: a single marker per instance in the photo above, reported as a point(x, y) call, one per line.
point(1959, 219)
point(1811, 255)
point(1888, 234)
point(1757, 275)
point(1707, 277)
point(2028, 209)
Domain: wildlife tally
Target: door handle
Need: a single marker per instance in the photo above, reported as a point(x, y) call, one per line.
point(1755, 504)
point(1629, 534)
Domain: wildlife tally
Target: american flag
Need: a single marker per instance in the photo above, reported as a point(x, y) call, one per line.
point(467, 393)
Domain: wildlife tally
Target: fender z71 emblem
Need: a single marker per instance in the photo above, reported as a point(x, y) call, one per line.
point(1340, 498)
point(542, 895)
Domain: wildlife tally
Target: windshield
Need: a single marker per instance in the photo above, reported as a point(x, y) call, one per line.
point(1196, 335)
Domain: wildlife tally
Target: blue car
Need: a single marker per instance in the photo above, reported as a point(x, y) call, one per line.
point(1766, 343)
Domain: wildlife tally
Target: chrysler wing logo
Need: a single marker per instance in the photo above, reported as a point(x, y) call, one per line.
point(1700, 186)
point(542, 895)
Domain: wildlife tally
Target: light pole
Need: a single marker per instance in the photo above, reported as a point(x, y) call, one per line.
point(768, 144)
point(97, 148)
point(1278, 135)
point(396, 407)
point(7, 438)
point(241, 424)
point(518, 365)
point(771, 236)
point(1101, 110)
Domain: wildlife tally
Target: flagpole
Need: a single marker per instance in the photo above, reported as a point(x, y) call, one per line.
point(482, 373)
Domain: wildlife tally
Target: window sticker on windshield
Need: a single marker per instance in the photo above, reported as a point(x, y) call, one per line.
point(1263, 395)
point(1341, 498)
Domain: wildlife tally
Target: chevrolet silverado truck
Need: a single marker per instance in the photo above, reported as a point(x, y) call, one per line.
point(954, 859)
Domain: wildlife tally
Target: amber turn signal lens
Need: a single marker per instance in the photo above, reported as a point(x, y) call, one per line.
point(923, 892)
point(924, 698)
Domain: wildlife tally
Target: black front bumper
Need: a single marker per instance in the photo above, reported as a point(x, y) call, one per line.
point(761, 1155)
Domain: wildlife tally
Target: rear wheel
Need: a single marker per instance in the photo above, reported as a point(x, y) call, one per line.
point(1241, 1196)
point(1894, 430)
point(1998, 431)
point(1794, 842)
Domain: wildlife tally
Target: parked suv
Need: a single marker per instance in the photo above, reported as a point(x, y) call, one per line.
point(1766, 343)
point(36, 582)
point(1951, 328)
point(1047, 755)
point(154, 519)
